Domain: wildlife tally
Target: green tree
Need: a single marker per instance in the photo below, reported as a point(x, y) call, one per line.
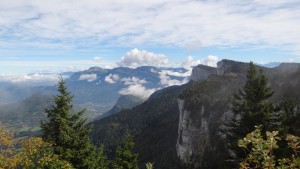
point(289, 117)
point(125, 158)
point(286, 121)
point(68, 134)
point(252, 107)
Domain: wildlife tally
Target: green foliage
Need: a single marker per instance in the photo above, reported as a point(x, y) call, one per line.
point(252, 107)
point(125, 158)
point(260, 151)
point(100, 159)
point(149, 166)
point(289, 118)
point(68, 134)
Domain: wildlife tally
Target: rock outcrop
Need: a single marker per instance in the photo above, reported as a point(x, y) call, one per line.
point(198, 129)
point(224, 67)
point(202, 72)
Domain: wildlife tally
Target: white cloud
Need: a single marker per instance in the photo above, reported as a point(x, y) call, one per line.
point(210, 60)
point(133, 80)
point(97, 59)
point(166, 80)
point(136, 57)
point(182, 23)
point(137, 90)
point(112, 78)
point(88, 77)
point(189, 62)
point(178, 74)
point(31, 79)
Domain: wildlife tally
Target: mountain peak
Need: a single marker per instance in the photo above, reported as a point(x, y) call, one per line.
point(94, 69)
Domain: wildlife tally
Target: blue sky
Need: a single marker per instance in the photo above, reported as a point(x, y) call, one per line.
point(73, 35)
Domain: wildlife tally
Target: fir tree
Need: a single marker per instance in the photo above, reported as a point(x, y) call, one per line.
point(252, 107)
point(287, 121)
point(125, 158)
point(68, 134)
point(289, 118)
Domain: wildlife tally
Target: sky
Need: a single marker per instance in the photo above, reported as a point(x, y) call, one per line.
point(72, 35)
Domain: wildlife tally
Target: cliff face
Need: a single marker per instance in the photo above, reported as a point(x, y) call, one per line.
point(202, 72)
point(193, 137)
point(203, 109)
point(224, 67)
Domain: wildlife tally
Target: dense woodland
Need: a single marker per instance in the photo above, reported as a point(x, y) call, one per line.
point(263, 133)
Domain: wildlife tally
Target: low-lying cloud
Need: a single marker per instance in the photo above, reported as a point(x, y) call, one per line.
point(166, 80)
point(137, 90)
point(133, 80)
point(32, 79)
point(112, 78)
point(88, 77)
point(135, 87)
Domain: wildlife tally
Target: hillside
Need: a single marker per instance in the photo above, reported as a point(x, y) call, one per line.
point(124, 102)
point(184, 121)
point(153, 124)
point(25, 114)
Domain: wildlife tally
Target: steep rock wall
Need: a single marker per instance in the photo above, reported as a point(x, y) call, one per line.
point(193, 137)
point(202, 72)
point(199, 138)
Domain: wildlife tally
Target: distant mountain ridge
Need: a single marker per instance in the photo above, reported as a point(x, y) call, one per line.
point(97, 89)
point(124, 102)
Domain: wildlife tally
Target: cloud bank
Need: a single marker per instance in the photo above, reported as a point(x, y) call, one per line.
point(31, 79)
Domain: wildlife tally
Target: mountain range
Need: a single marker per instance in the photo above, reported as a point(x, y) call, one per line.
point(97, 90)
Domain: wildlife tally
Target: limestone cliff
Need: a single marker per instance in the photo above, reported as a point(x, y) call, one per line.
point(193, 137)
point(202, 72)
point(203, 109)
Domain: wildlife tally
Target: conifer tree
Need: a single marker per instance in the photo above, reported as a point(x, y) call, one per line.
point(125, 158)
point(252, 107)
point(68, 134)
point(289, 118)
